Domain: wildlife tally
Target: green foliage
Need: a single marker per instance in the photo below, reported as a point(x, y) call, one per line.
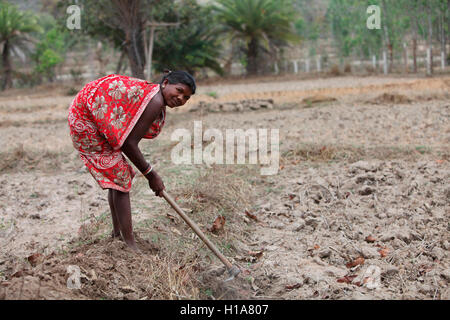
point(51, 48)
point(16, 24)
point(48, 60)
point(191, 46)
point(310, 24)
point(399, 19)
point(15, 27)
point(260, 24)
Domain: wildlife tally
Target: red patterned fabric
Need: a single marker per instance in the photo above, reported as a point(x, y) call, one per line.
point(101, 117)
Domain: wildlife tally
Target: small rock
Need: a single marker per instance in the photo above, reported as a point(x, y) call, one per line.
point(298, 225)
point(365, 178)
point(239, 107)
point(228, 107)
point(438, 253)
point(277, 225)
point(390, 271)
point(447, 194)
point(445, 295)
point(35, 216)
point(325, 253)
point(271, 248)
point(127, 289)
point(213, 107)
point(267, 206)
point(426, 289)
point(313, 222)
point(366, 190)
point(369, 252)
point(381, 215)
point(403, 235)
point(446, 274)
point(363, 166)
point(131, 296)
point(387, 236)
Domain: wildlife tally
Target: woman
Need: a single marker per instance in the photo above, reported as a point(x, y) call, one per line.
point(108, 117)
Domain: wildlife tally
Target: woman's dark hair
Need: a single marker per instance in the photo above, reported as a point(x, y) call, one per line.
point(175, 77)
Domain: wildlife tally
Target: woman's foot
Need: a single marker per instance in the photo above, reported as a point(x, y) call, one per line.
point(132, 245)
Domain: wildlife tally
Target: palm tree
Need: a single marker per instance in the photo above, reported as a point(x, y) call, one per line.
point(15, 26)
point(259, 23)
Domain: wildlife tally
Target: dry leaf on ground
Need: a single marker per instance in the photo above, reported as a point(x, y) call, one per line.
point(355, 262)
point(250, 215)
point(346, 279)
point(218, 224)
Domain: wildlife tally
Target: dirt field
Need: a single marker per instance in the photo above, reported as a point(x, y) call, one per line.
point(358, 210)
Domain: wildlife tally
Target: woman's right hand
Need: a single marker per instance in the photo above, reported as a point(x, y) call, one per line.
point(155, 182)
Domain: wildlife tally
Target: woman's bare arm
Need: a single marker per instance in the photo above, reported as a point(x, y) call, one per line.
point(130, 146)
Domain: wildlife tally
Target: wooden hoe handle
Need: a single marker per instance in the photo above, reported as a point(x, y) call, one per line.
point(197, 230)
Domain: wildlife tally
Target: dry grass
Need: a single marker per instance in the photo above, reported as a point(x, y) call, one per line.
point(350, 153)
point(30, 160)
point(173, 264)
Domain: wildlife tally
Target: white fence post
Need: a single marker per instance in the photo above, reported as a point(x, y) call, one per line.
point(406, 57)
point(295, 63)
point(429, 61)
point(319, 63)
point(385, 62)
point(277, 70)
point(443, 62)
point(307, 68)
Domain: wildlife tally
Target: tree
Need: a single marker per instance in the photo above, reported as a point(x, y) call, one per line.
point(15, 27)
point(311, 25)
point(192, 45)
point(50, 48)
point(259, 23)
point(122, 23)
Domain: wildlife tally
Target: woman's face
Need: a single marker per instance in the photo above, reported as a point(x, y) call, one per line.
point(176, 94)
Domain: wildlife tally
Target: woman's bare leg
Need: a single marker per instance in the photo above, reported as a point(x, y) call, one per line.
point(122, 209)
point(116, 226)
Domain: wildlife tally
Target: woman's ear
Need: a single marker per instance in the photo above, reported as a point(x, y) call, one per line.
point(164, 84)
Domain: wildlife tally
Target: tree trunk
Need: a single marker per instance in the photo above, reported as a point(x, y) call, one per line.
point(448, 20)
point(135, 52)
point(443, 40)
point(387, 38)
point(430, 39)
point(252, 57)
point(405, 58)
point(120, 63)
point(415, 54)
point(229, 63)
point(7, 68)
point(150, 53)
point(130, 21)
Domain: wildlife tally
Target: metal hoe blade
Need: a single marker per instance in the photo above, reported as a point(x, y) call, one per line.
point(233, 272)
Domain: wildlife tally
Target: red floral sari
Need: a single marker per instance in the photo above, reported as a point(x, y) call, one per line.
point(101, 117)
